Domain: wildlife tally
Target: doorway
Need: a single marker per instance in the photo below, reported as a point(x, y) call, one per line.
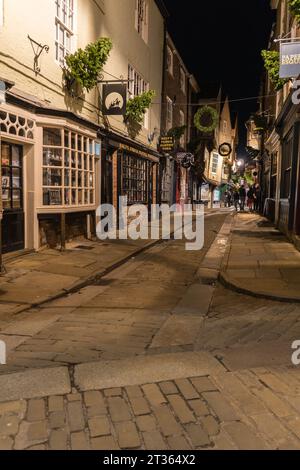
point(12, 197)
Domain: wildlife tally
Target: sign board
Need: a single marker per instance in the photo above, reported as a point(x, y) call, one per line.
point(114, 99)
point(205, 194)
point(166, 144)
point(289, 60)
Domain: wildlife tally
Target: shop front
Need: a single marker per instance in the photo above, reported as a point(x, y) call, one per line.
point(12, 197)
point(17, 134)
point(67, 201)
point(131, 172)
point(50, 168)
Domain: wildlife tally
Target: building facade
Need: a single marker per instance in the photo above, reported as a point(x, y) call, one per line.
point(217, 167)
point(60, 156)
point(279, 157)
point(179, 89)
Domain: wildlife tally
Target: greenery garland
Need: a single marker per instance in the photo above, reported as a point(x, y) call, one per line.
point(272, 65)
point(136, 107)
point(177, 132)
point(294, 6)
point(211, 114)
point(85, 65)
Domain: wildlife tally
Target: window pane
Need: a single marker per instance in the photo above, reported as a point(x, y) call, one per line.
point(79, 143)
point(73, 141)
point(80, 160)
point(74, 179)
point(5, 155)
point(67, 158)
point(73, 161)
point(5, 178)
point(16, 202)
point(67, 197)
point(67, 139)
point(16, 157)
point(80, 179)
point(6, 198)
point(67, 178)
point(52, 177)
point(97, 149)
point(52, 137)
point(52, 157)
point(52, 197)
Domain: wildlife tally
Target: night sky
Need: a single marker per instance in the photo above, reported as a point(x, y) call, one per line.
point(221, 41)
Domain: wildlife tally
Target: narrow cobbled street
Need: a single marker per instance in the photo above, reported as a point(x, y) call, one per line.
point(144, 361)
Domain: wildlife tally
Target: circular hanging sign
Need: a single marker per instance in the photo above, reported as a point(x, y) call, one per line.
point(225, 149)
point(206, 119)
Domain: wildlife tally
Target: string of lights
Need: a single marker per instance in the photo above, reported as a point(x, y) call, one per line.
point(208, 101)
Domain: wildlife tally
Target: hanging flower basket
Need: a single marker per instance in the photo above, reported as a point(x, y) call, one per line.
point(206, 119)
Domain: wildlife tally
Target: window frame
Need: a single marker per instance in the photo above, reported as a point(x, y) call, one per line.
point(169, 112)
point(77, 156)
point(214, 163)
point(170, 66)
point(135, 178)
point(142, 18)
point(137, 87)
point(68, 31)
point(182, 123)
point(182, 80)
point(1, 13)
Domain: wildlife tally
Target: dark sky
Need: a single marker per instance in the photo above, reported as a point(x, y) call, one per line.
point(221, 41)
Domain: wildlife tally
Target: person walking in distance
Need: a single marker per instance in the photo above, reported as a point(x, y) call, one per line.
point(250, 198)
point(242, 193)
point(257, 195)
point(236, 199)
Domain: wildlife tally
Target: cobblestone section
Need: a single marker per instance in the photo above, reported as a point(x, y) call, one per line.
point(117, 318)
point(246, 332)
point(250, 409)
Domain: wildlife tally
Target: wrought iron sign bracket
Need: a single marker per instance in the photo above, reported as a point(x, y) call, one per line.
point(106, 82)
point(37, 50)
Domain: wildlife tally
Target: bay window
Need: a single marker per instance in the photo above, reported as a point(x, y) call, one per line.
point(68, 168)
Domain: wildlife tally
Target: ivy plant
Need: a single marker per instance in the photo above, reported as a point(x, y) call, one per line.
point(272, 65)
point(85, 65)
point(177, 132)
point(136, 107)
point(294, 6)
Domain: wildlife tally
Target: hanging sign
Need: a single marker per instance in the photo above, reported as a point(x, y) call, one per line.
point(166, 144)
point(225, 149)
point(114, 99)
point(289, 60)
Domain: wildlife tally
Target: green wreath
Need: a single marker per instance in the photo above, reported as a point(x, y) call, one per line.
point(206, 119)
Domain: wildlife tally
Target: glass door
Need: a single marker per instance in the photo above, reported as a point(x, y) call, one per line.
point(12, 197)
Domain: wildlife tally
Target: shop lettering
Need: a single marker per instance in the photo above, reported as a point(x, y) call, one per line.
point(293, 59)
